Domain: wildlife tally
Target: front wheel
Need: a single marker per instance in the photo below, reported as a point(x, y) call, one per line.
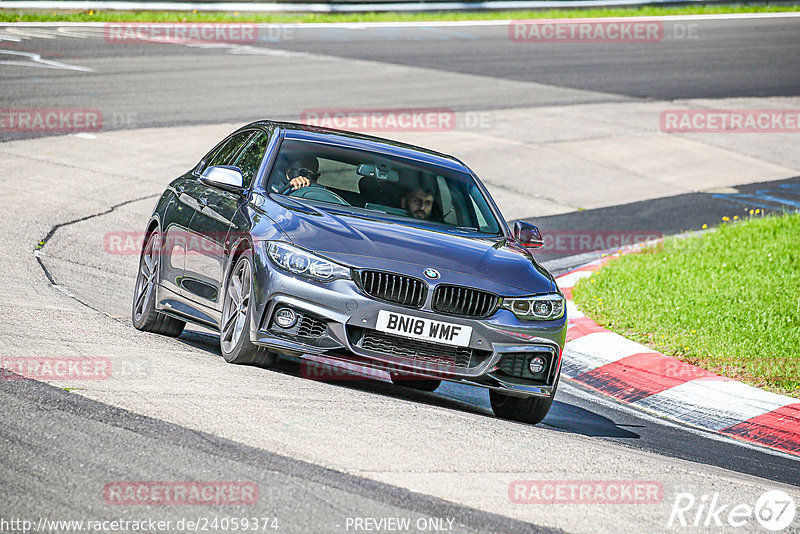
point(144, 314)
point(237, 309)
point(529, 410)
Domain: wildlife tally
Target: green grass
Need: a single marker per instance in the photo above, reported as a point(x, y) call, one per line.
point(174, 16)
point(727, 301)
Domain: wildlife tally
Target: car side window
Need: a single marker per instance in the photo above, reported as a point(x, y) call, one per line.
point(204, 162)
point(225, 154)
point(250, 158)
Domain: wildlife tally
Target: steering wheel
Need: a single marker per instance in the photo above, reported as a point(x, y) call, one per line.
point(315, 192)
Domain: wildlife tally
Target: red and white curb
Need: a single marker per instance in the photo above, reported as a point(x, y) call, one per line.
point(637, 375)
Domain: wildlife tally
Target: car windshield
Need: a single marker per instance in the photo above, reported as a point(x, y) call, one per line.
point(371, 184)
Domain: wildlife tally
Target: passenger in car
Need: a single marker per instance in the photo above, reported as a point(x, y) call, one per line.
point(418, 203)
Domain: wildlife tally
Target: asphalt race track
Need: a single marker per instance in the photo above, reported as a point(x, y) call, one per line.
point(564, 134)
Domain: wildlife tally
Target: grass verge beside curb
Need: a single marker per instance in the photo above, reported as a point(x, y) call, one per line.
point(29, 15)
point(727, 301)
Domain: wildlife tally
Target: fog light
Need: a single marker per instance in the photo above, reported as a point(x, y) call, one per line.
point(285, 318)
point(537, 365)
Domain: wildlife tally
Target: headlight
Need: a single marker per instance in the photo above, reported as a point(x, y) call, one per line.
point(541, 307)
point(300, 262)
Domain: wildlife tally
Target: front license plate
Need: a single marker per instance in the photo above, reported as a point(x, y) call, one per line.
point(423, 329)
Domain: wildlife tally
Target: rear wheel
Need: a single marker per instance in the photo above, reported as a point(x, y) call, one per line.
point(237, 309)
point(415, 382)
point(525, 410)
point(144, 314)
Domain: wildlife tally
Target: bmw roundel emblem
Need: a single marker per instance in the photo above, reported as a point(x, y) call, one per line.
point(431, 273)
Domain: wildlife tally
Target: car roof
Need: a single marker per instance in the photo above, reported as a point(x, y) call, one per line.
point(361, 141)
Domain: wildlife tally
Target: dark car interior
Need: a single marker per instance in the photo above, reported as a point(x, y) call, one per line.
point(378, 183)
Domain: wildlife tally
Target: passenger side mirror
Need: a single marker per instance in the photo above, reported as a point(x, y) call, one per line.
point(528, 235)
point(225, 177)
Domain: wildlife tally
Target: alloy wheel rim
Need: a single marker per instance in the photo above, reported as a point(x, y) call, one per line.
point(237, 304)
point(146, 280)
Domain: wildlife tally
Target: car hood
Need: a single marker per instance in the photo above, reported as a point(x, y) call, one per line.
point(489, 263)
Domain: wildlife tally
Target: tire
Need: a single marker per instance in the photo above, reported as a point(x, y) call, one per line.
point(144, 315)
point(529, 410)
point(234, 330)
point(420, 384)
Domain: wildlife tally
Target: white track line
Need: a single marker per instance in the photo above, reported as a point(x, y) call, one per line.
point(225, 7)
point(35, 60)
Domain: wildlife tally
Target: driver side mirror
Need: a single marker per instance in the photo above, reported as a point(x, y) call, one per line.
point(225, 177)
point(527, 235)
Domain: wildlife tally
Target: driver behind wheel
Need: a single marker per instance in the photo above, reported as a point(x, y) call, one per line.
point(302, 171)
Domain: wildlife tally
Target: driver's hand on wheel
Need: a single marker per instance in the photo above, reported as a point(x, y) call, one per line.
point(300, 181)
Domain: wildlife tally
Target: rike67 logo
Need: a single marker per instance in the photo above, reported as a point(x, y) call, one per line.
point(774, 510)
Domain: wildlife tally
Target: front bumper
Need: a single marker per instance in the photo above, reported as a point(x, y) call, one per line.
point(338, 322)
